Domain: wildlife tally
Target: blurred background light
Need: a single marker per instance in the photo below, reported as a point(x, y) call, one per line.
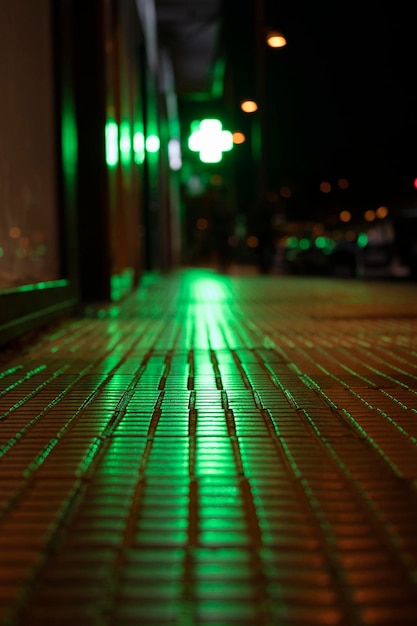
point(345, 216)
point(369, 215)
point(325, 187)
point(152, 143)
point(210, 141)
point(382, 212)
point(275, 39)
point(174, 154)
point(249, 106)
point(238, 137)
point(139, 147)
point(125, 142)
point(112, 143)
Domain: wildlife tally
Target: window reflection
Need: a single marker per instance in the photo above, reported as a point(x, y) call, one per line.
point(28, 228)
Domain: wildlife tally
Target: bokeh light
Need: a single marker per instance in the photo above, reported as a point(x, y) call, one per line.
point(325, 186)
point(125, 142)
point(238, 137)
point(139, 147)
point(285, 192)
point(275, 39)
point(345, 216)
point(343, 183)
point(210, 141)
point(362, 240)
point(174, 154)
point(252, 241)
point(382, 212)
point(249, 106)
point(14, 232)
point(202, 223)
point(152, 143)
point(369, 215)
point(112, 143)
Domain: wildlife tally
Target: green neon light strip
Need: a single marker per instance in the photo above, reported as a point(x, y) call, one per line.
point(218, 78)
point(125, 142)
point(112, 144)
point(139, 147)
point(51, 284)
point(152, 143)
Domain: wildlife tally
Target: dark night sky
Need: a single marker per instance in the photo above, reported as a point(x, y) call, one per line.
point(341, 97)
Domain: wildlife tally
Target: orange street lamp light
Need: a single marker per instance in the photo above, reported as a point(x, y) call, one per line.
point(238, 137)
point(275, 39)
point(248, 106)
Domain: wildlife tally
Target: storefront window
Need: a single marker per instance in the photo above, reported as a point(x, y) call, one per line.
point(28, 205)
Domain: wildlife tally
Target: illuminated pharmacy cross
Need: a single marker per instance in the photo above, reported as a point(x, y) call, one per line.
point(210, 140)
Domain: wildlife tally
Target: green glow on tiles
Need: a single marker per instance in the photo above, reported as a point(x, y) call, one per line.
point(313, 423)
point(393, 422)
point(356, 423)
point(1, 252)
point(152, 143)
point(121, 284)
point(210, 141)
point(139, 147)
point(310, 382)
point(11, 370)
point(209, 290)
point(125, 142)
point(291, 459)
point(112, 144)
point(362, 240)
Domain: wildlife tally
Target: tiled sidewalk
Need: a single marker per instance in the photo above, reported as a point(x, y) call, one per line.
point(215, 451)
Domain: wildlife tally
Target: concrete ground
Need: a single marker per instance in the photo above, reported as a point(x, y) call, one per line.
point(216, 450)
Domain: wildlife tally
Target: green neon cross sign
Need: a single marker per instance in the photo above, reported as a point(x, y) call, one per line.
point(210, 140)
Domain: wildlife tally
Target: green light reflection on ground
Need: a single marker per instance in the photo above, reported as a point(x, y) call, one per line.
point(210, 293)
point(210, 289)
point(53, 284)
point(122, 283)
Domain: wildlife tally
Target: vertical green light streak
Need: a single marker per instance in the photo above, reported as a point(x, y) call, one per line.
point(112, 144)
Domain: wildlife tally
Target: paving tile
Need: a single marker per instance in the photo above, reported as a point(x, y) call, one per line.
point(249, 461)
